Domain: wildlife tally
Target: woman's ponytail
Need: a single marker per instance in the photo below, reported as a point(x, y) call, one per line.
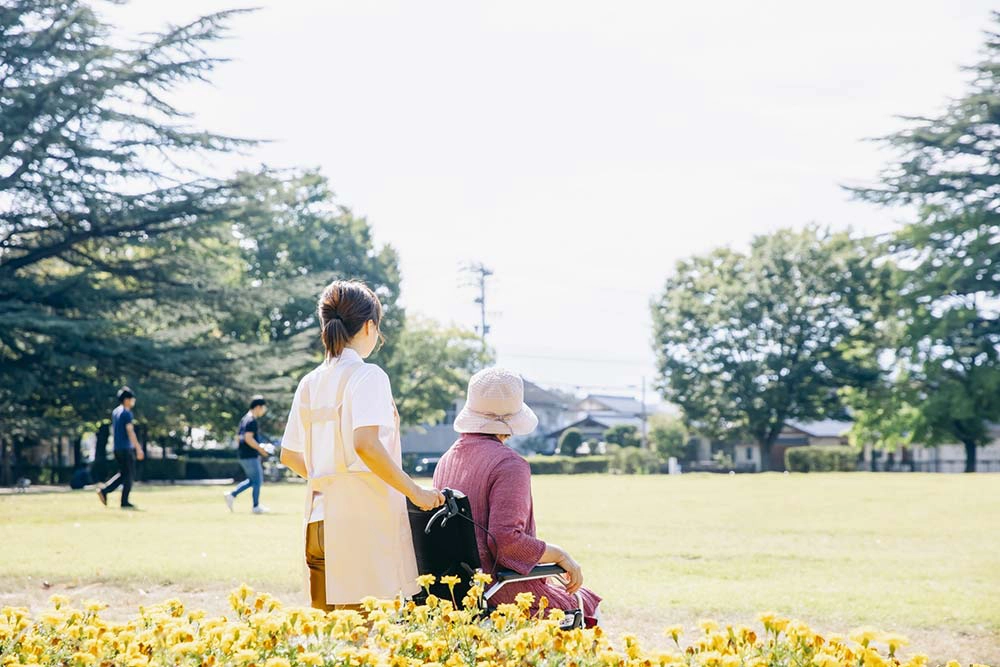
point(343, 309)
point(335, 337)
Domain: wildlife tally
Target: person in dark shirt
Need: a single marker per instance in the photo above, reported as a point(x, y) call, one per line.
point(127, 449)
point(250, 450)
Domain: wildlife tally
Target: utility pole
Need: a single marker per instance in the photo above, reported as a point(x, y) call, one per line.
point(479, 275)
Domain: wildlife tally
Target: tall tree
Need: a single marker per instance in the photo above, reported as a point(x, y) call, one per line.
point(104, 239)
point(295, 238)
point(947, 268)
point(430, 367)
point(291, 239)
point(747, 341)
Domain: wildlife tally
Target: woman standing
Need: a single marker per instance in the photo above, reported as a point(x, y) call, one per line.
point(343, 437)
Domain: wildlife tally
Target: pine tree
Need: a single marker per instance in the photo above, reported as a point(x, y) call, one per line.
point(947, 365)
point(104, 238)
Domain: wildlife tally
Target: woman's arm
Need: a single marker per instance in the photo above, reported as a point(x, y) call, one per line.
point(373, 454)
point(573, 579)
point(510, 505)
point(294, 461)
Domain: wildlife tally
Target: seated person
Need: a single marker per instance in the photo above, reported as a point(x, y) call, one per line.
point(497, 482)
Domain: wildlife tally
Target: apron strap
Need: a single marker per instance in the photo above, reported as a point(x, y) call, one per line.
point(310, 416)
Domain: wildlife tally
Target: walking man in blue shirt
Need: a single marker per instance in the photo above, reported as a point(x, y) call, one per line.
point(251, 449)
point(127, 449)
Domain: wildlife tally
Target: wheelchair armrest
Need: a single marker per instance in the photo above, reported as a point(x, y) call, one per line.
point(575, 620)
point(537, 572)
point(510, 576)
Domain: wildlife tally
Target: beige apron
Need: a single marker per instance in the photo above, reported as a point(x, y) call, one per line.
point(368, 549)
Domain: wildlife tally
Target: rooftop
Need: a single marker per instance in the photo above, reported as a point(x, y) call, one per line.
point(824, 428)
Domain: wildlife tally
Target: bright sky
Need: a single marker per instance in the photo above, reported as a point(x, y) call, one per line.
point(577, 148)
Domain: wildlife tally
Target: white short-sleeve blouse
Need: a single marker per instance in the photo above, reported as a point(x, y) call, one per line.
point(368, 402)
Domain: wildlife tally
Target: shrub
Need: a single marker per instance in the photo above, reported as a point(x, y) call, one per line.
point(215, 469)
point(585, 464)
point(550, 465)
point(834, 458)
point(624, 435)
point(163, 469)
point(570, 441)
point(633, 461)
point(668, 437)
point(568, 465)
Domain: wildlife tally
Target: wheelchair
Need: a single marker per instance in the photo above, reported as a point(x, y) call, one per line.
point(444, 540)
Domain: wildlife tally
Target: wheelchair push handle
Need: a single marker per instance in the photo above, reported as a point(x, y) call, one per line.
point(447, 511)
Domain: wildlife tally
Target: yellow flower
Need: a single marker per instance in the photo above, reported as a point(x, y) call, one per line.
point(482, 578)
point(674, 631)
point(525, 599)
point(710, 658)
point(451, 581)
point(895, 641)
point(58, 601)
point(277, 662)
point(708, 625)
point(864, 636)
point(425, 581)
point(245, 656)
point(824, 659)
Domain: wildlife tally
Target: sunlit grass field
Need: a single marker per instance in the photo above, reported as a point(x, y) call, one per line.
point(911, 552)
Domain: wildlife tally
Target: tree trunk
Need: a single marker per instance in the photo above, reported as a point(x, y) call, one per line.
point(6, 472)
point(765, 455)
point(970, 455)
point(101, 450)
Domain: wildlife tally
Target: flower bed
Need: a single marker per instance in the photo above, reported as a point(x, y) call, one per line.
point(262, 633)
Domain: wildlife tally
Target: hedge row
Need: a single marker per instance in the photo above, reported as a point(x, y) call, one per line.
point(182, 467)
point(834, 458)
point(568, 465)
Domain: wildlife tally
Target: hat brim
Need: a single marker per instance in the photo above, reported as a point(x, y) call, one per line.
point(522, 422)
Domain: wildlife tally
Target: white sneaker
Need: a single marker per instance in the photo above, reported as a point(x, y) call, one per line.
point(229, 500)
point(260, 509)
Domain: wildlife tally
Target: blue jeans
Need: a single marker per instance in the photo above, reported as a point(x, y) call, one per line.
point(255, 476)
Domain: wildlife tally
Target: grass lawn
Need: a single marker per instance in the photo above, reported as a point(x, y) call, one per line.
point(914, 553)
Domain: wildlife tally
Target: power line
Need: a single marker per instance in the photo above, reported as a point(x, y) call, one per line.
point(591, 360)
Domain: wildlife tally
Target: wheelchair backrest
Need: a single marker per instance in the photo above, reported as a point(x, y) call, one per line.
point(444, 540)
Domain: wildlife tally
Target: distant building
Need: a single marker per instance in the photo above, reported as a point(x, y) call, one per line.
point(794, 434)
point(433, 440)
point(943, 458)
point(826, 432)
point(596, 413)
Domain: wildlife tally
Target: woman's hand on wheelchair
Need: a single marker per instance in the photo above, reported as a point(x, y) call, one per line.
point(427, 499)
point(573, 577)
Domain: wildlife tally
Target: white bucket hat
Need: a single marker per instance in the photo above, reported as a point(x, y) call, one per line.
point(495, 404)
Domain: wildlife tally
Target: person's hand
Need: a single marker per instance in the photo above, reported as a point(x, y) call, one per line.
point(139, 454)
point(573, 578)
point(427, 499)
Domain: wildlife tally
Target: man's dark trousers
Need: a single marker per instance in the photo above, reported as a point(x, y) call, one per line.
point(126, 473)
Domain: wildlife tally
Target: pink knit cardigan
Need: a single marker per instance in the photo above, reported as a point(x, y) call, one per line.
point(498, 483)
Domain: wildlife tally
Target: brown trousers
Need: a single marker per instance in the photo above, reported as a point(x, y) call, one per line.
point(316, 562)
